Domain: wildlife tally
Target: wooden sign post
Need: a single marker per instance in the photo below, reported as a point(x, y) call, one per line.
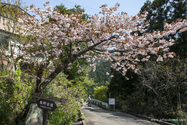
point(47, 106)
point(45, 116)
point(48, 103)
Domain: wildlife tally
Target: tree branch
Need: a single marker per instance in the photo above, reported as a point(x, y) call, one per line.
point(111, 51)
point(83, 41)
point(70, 49)
point(64, 64)
point(93, 46)
point(44, 84)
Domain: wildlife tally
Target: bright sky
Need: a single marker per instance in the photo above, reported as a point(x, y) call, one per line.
point(91, 7)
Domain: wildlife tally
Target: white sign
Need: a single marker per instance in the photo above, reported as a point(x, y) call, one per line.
point(111, 101)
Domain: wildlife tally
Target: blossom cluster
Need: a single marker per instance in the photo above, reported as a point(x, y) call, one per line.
point(108, 36)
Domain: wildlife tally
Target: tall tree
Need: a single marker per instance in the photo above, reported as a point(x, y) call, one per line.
point(158, 13)
point(72, 71)
point(85, 38)
point(92, 39)
point(120, 88)
point(161, 11)
point(42, 64)
point(179, 11)
point(166, 81)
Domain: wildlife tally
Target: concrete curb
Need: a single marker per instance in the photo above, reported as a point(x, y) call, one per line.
point(83, 121)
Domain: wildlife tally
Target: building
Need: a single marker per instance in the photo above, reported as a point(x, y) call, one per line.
point(9, 30)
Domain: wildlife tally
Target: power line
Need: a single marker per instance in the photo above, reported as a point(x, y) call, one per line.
point(82, 5)
point(68, 3)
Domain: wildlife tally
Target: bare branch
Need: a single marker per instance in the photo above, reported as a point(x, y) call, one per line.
point(93, 46)
point(111, 51)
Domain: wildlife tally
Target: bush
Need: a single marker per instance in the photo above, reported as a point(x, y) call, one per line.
point(14, 95)
point(64, 114)
point(59, 117)
point(100, 93)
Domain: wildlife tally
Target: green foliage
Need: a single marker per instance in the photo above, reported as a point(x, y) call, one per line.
point(14, 95)
point(60, 87)
point(59, 117)
point(182, 117)
point(120, 88)
point(100, 93)
point(77, 8)
point(73, 74)
point(18, 72)
point(99, 76)
point(89, 86)
point(156, 91)
point(64, 10)
point(3, 73)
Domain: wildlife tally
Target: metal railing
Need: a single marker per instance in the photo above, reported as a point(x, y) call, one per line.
point(99, 103)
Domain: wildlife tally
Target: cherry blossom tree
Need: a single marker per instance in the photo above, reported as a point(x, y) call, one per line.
point(107, 36)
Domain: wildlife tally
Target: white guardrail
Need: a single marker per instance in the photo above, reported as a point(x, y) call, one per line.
point(98, 102)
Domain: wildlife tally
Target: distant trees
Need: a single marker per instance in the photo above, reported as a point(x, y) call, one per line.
point(167, 83)
point(161, 11)
point(120, 88)
point(100, 93)
point(76, 9)
point(99, 76)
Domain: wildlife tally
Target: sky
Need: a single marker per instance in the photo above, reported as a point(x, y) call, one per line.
point(132, 7)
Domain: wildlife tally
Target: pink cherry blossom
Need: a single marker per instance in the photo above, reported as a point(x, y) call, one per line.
point(107, 73)
point(107, 36)
point(159, 58)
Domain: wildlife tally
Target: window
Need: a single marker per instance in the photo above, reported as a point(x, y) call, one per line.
point(4, 38)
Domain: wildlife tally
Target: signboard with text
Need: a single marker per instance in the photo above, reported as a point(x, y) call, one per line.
point(46, 104)
point(111, 101)
point(60, 101)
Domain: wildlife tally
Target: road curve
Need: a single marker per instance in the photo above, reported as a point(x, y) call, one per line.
point(97, 116)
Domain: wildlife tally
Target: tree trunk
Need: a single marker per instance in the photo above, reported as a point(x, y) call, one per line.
point(39, 77)
point(63, 65)
point(42, 86)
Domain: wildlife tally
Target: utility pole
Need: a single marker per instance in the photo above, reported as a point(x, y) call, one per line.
point(108, 101)
point(186, 8)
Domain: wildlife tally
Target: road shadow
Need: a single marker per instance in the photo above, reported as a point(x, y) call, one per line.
point(115, 115)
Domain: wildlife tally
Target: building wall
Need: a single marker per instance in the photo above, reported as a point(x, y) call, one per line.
point(8, 27)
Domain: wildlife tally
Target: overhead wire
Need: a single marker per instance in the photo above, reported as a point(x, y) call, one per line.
point(71, 4)
point(82, 5)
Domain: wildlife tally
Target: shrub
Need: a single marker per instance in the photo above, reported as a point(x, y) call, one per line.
point(14, 94)
point(100, 93)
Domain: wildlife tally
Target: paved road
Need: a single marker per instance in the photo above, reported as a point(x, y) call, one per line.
point(96, 116)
